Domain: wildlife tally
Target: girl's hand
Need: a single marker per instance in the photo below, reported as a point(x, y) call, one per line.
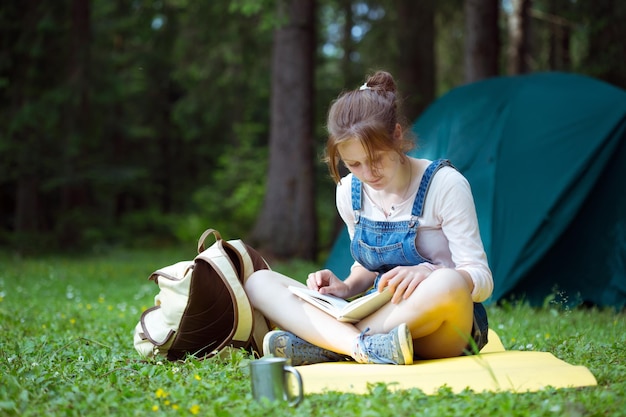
point(326, 282)
point(403, 280)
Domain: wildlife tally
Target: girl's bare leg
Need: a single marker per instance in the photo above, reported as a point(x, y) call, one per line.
point(439, 314)
point(269, 294)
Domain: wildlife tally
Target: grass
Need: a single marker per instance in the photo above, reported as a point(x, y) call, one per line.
point(66, 348)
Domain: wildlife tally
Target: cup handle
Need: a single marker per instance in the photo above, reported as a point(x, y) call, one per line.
point(297, 399)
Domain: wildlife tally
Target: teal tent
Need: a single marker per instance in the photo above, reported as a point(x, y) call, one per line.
point(546, 157)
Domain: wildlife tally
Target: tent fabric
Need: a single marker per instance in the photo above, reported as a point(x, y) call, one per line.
point(545, 155)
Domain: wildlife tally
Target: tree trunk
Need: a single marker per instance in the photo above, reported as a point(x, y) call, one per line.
point(286, 226)
point(519, 37)
point(606, 34)
point(27, 208)
point(347, 44)
point(26, 140)
point(416, 73)
point(482, 39)
point(76, 114)
point(560, 34)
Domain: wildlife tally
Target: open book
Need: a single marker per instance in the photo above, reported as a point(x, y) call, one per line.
point(342, 310)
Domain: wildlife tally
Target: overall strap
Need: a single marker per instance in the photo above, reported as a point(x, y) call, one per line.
point(356, 198)
point(418, 203)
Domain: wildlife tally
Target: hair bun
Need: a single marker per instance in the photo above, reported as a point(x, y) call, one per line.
point(382, 80)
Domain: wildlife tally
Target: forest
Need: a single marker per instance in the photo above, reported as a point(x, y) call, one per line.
point(144, 122)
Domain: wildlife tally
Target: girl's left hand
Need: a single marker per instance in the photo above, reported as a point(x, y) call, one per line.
point(403, 280)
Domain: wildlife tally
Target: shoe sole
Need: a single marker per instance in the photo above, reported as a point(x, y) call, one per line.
point(406, 344)
point(267, 341)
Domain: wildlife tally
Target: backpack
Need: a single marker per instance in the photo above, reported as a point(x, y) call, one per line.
point(202, 307)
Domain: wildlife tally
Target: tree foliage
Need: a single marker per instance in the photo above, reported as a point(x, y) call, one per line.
point(149, 120)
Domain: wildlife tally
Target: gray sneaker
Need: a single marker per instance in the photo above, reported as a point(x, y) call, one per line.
point(395, 347)
point(284, 344)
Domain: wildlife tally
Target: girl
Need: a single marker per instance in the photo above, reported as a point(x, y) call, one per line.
point(413, 228)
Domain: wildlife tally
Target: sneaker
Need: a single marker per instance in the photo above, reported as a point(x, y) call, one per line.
point(395, 347)
point(284, 344)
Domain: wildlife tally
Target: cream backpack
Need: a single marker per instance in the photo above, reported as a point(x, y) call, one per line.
point(202, 307)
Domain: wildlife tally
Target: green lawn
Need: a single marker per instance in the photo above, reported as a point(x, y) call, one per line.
point(66, 349)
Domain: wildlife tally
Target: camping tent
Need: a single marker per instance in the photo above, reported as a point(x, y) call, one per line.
point(545, 155)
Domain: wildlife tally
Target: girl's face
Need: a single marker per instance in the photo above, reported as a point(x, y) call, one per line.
point(379, 173)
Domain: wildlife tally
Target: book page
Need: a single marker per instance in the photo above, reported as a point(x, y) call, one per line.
point(364, 306)
point(341, 309)
point(332, 301)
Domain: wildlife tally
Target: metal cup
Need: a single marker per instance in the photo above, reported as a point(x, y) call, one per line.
point(269, 377)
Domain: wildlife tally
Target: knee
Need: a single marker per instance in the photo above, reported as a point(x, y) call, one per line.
point(256, 281)
point(448, 284)
point(264, 285)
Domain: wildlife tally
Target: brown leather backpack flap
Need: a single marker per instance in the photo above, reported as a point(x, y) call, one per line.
point(209, 320)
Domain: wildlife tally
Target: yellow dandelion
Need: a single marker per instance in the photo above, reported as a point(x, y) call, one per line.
point(110, 307)
point(88, 306)
point(197, 377)
point(167, 402)
point(160, 393)
point(155, 407)
point(72, 321)
point(195, 409)
point(175, 406)
point(101, 299)
point(547, 335)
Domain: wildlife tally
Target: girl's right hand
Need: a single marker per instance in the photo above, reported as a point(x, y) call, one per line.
point(326, 282)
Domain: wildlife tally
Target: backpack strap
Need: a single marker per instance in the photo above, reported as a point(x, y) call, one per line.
point(251, 260)
point(206, 234)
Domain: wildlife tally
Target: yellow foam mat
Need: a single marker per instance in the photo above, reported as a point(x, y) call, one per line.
point(495, 369)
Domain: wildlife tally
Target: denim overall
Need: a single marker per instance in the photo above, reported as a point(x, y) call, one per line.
point(382, 245)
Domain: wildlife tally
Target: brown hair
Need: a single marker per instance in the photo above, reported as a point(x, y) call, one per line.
point(369, 114)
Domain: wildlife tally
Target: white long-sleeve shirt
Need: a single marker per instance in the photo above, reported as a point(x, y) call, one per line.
point(448, 233)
